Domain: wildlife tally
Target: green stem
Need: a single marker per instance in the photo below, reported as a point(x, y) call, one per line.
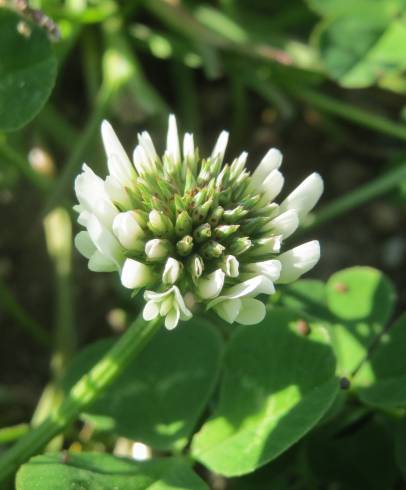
point(182, 20)
point(11, 306)
point(72, 165)
point(271, 92)
point(119, 69)
point(350, 112)
point(11, 434)
point(58, 235)
point(360, 196)
point(91, 65)
point(122, 68)
point(25, 168)
point(185, 90)
point(330, 105)
point(84, 392)
point(56, 127)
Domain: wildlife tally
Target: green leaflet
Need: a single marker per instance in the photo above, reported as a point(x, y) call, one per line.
point(362, 300)
point(95, 471)
point(361, 43)
point(161, 395)
point(382, 380)
point(26, 80)
point(276, 385)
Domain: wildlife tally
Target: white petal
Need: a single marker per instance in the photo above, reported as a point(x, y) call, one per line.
point(305, 196)
point(268, 268)
point(298, 261)
point(135, 274)
point(88, 187)
point(118, 163)
point(105, 211)
point(127, 230)
point(84, 244)
point(231, 266)
point(100, 263)
point(220, 146)
point(196, 267)
point(172, 318)
point(140, 160)
point(122, 170)
point(117, 193)
point(188, 146)
point(185, 313)
point(285, 224)
point(111, 142)
point(272, 185)
point(211, 285)
point(252, 312)
point(244, 288)
point(271, 161)
point(238, 165)
point(172, 140)
point(93, 197)
point(228, 310)
point(249, 288)
point(166, 305)
point(270, 245)
point(170, 304)
point(146, 142)
point(156, 249)
point(151, 311)
point(171, 271)
point(104, 240)
point(157, 297)
point(83, 218)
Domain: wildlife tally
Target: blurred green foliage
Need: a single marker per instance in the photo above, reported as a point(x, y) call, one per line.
point(264, 408)
point(163, 393)
point(27, 70)
point(95, 471)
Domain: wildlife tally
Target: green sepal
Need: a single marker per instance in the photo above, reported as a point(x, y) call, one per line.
point(185, 246)
point(212, 250)
point(224, 231)
point(202, 233)
point(184, 224)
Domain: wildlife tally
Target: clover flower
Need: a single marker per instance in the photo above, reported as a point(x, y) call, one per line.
point(193, 231)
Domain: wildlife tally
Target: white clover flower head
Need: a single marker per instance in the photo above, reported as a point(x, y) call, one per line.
point(193, 230)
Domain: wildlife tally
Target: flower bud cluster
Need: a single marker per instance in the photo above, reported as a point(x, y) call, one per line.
point(193, 231)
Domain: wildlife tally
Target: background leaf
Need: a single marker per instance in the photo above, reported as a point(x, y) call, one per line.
point(360, 457)
point(26, 80)
point(95, 471)
point(276, 386)
point(162, 394)
point(362, 300)
point(334, 8)
point(361, 43)
point(308, 297)
point(400, 445)
point(382, 380)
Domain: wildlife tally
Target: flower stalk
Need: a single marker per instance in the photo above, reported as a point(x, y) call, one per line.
point(82, 394)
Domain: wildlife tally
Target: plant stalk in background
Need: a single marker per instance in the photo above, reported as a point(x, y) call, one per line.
point(85, 391)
